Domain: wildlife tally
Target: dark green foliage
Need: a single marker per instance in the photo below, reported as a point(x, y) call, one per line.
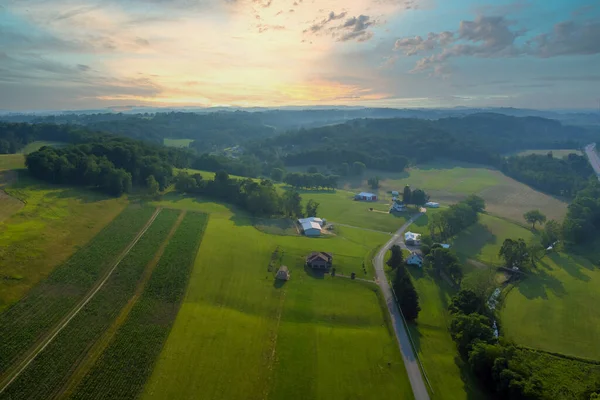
point(562, 177)
point(311, 181)
point(408, 298)
point(476, 203)
point(406, 195)
point(373, 182)
point(534, 217)
point(397, 258)
point(444, 261)
point(24, 323)
point(457, 217)
point(466, 330)
point(312, 170)
point(311, 208)
point(467, 302)
point(277, 174)
point(358, 168)
point(418, 197)
point(50, 369)
point(514, 253)
point(582, 223)
point(551, 233)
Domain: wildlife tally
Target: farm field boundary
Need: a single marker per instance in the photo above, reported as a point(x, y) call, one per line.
point(140, 339)
point(42, 344)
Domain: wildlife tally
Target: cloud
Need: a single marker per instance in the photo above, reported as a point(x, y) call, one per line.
point(356, 28)
point(320, 25)
point(497, 37)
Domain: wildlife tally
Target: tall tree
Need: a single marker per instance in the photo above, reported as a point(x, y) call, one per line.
point(358, 168)
point(311, 208)
point(292, 203)
point(475, 202)
point(374, 182)
point(534, 217)
point(407, 195)
point(408, 298)
point(152, 186)
point(513, 252)
point(419, 197)
point(397, 258)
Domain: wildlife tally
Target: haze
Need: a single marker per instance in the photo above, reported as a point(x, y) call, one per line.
point(74, 54)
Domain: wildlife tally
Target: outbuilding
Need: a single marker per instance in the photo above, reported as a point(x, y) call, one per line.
point(366, 196)
point(283, 274)
point(432, 204)
point(319, 260)
point(412, 239)
point(395, 193)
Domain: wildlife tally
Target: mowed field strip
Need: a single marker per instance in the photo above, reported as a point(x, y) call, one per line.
point(14, 372)
point(239, 334)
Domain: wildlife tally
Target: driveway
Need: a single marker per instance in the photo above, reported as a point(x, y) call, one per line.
point(408, 355)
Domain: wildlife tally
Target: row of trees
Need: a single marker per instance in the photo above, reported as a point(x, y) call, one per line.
point(457, 217)
point(311, 181)
point(440, 261)
point(582, 223)
point(258, 198)
point(417, 197)
point(408, 298)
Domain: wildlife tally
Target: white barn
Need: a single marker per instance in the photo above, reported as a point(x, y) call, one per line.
point(412, 239)
point(310, 228)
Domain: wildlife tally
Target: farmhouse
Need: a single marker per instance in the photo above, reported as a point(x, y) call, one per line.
point(412, 239)
point(283, 274)
point(431, 204)
point(415, 259)
point(310, 226)
point(366, 196)
point(397, 207)
point(319, 260)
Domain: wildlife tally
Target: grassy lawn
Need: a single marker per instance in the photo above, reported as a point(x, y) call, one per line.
point(482, 241)
point(54, 222)
point(35, 146)
point(555, 309)
point(447, 373)
point(239, 335)
point(177, 142)
point(449, 182)
point(11, 161)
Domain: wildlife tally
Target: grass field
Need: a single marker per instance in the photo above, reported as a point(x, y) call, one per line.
point(450, 182)
point(11, 161)
point(555, 308)
point(560, 153)
point(241, 335)
point(53, 224)
point(177, 142)
point(35, 146)
point(447, 373)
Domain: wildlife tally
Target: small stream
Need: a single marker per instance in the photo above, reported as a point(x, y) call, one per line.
point(492, 303)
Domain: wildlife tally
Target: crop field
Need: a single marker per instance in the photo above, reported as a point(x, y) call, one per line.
point(450, 182)
point(241, 335)
point(139, 341)
point(26, 321)
point(449, 377)
point(53, 223)
point(35, 146)
point(177, 142)
point(555, 307)
point(52, 367)
point(11, 161)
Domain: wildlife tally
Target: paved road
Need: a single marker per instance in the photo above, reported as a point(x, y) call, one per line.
point(410, 361)
point(15, 371)
point(592, 155)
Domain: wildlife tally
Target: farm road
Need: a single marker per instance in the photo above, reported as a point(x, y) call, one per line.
point(408, 355)
point(14, 372)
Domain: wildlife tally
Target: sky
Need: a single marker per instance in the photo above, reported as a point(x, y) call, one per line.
point(86, 54)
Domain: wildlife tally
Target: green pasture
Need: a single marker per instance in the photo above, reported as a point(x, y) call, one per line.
point(555, 308)
point(177, 142)
point(53, 223)
point(35, 146)
point(239, 334)
point(11, 161)
point(450, 378)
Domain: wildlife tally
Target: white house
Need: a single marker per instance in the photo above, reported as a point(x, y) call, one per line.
point(397, 207)
point(366, 196)
point(310, 228)
point(415, 259)
point(431, 204)
point(412, 239)
point(319, 221)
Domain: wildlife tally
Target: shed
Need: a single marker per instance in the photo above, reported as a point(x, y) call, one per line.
point(283, 274)
point(366, 196)
point(415, 259)
point(319, 260)
point(432, 204)
point(395, 193)
point(310, 228)
point(312, 219)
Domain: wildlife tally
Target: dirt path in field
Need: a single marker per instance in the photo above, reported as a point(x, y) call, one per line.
point(14, 372)
point(81, 369)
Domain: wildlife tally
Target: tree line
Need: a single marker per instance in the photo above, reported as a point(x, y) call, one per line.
point(562, 177)
point(258, 198)
point(406, 293)
point(311, 181)
point(456, 218)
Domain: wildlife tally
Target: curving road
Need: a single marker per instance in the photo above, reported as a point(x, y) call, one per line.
point(408, 355)
point(592, 155)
